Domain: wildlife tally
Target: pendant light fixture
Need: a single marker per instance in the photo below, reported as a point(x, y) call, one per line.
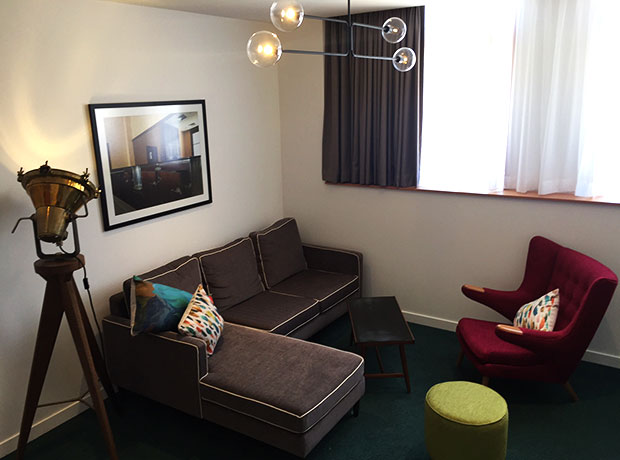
point(265, 49)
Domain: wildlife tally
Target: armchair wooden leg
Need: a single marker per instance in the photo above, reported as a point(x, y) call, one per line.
point(485, 380)
point(459, 360)
point(571, 392)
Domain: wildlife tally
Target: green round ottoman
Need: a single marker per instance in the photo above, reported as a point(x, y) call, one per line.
point(465, 420)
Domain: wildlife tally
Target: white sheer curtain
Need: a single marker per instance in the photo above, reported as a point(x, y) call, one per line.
point(467, 71)
point(547, 96)
point(599, 166)
point(524, 95)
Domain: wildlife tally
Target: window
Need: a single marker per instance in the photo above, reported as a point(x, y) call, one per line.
point(467, 71)
point(522, 94)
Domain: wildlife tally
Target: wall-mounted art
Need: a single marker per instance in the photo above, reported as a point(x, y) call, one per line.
point(152, 159)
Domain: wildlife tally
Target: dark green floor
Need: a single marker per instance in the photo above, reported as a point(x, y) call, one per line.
point(544, 424)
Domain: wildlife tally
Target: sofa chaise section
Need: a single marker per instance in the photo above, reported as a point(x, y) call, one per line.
point(298, 390)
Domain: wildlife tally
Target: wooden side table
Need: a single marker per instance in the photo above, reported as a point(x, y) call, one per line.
point(378, 322)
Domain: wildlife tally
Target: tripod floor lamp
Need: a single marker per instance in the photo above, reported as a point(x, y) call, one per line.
point(57, 195)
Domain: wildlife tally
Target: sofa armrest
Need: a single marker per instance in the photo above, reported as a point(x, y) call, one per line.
point(118, 305)
point(333, 260)
point(166, 366)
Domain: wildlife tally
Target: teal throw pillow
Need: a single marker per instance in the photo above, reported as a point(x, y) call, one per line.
point(156, 307)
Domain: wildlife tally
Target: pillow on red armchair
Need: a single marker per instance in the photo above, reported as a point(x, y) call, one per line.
point(540, 314)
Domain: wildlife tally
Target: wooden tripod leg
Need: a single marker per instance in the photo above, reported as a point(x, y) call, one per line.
point(100, 366)
point(78, 331)
point(51, 316)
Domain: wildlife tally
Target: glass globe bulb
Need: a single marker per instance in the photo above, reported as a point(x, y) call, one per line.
point(264, 49)
point(394, 30)
point(404, 59)
point(286, 15)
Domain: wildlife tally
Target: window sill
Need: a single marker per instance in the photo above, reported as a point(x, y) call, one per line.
point(565, 197)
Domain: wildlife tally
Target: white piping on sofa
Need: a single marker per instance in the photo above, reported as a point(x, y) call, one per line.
point(284, 410)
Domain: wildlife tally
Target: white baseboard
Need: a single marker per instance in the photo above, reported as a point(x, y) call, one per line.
point(46, 424)
point(599, 357)
point(431, 321)
point(448, 325)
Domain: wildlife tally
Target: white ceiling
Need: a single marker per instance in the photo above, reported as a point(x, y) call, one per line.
point(258, 10)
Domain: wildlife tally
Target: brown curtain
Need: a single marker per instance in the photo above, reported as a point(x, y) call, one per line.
point(372, 106)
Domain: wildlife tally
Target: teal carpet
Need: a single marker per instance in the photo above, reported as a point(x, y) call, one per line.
point(544, 423)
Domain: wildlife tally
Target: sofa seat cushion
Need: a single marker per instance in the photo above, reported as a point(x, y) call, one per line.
point(480, 338)
point(327, 287)
point(277, 313)
point(282, 381)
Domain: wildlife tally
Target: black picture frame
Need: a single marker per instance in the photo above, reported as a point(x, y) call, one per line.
point(152, 159)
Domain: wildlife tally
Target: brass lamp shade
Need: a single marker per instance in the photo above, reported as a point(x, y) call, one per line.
point(57, 195)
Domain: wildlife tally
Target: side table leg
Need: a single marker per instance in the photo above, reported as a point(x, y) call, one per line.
point(403, 359)
point(379, 359)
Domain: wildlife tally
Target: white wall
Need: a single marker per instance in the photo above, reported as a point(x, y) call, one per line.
point(422, 246)
point(56, 57)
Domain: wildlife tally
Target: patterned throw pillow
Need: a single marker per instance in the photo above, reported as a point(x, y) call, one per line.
point(156, 307)
point(539, 314)
point(202, 320)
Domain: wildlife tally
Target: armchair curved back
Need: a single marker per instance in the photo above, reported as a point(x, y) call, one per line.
point(541, 257)
point(586, 285)
point(586, 288)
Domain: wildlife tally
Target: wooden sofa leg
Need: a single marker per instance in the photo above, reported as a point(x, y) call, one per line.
point(485, 380)
point(459, 360)
point(571, 392)
point(356, 409)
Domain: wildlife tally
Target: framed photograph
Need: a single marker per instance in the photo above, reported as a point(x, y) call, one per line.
point(152, 159)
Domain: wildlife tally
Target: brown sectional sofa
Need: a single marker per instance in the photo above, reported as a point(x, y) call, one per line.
point(262, 380)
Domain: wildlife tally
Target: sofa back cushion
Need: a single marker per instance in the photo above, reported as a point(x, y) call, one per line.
point(279, 251)
point(183, 273)
point(230, 273)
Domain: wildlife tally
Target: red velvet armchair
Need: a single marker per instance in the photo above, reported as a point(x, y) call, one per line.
point(501, 350)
